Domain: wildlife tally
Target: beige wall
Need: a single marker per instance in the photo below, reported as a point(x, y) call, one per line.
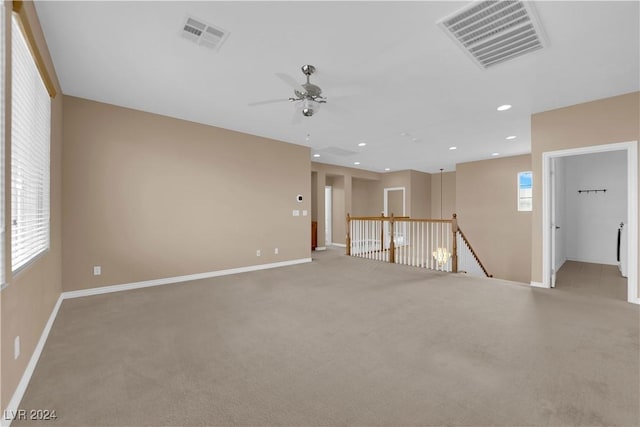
point(364, 202)
point(486, 201)
point(148, 197)
point(420, 194)
point(448, 195)
point(30, 296)
point(605, 121)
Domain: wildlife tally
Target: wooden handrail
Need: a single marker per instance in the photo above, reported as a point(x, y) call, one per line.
point(473, 252)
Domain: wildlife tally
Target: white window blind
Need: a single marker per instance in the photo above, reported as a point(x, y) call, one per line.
point(30, 147)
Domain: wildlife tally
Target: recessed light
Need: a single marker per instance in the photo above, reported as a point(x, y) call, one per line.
point(504, 107)
point(495, 154)
point(362, 144)
point(404, 134)
point(511, 137)
point(415, 139)
point(453, 148)
point(356, 163)
point(316, 155)
point(387, 169)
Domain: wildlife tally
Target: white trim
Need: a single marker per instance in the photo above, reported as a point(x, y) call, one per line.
point(178, 279)
point(340, 245)
point(386, 200)
point(320, 248)
point(14, 403)
point(539, 285)
point(590, 261)
point(631, 147)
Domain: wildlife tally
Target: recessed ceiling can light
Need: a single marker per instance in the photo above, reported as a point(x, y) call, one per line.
point(404, 134)
point(356, 163)
point(415, 139)
point(504, 107)
point(453, 148)
point(362, 144)
point(511, 137)
point(387, 169)
point(316, 155)
point(495, 154)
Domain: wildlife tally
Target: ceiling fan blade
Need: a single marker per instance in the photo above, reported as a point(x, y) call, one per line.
point(269, 101)
point(290, 81)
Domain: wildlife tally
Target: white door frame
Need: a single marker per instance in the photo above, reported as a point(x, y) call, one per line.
point(328, 215)
point(386, 200)
point(631, 147)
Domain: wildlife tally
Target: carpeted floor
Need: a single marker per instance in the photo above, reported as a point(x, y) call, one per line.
point(592, 279)
point(336, 342)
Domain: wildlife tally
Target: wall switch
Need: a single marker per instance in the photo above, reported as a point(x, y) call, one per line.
point(275, 251)
point(258, 253)
point(305, 213)
point(16, 347)
point(296, 212)
point(97, 270)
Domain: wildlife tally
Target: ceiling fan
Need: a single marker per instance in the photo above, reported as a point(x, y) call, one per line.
point(307, 95)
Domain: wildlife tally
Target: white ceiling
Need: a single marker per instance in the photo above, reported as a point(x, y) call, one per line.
point(385, 67)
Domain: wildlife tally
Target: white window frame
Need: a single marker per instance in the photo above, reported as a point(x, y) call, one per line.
point(30, 155)
point(523, 206)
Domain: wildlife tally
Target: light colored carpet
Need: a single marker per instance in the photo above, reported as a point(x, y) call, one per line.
point(592, 279)
point(341, 341)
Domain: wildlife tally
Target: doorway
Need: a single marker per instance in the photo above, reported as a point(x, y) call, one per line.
point(552, 228)
point(328, 209)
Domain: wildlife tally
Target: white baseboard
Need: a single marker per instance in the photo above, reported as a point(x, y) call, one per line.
point(340, 245)
point(592, 261)
point(321, 248)
point(11, 410)
point(539, 285)
point(178, 279)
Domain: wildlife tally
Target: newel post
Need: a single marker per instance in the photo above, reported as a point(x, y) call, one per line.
point(348, 242)
point(454, 255)
point(392, 244)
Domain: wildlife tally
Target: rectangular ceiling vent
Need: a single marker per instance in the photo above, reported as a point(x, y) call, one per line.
point(204, 34)
point(492, 32)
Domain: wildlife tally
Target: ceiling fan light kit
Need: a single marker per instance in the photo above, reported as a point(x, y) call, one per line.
point(307, 95)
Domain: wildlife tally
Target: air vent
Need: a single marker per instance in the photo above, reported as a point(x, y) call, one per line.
point(492, 32)
point(204, 34)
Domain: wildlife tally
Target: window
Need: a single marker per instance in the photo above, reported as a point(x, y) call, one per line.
point(30, 147)
point(525, 191)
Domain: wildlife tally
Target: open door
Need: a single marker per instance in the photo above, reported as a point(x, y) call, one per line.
point(554, 225)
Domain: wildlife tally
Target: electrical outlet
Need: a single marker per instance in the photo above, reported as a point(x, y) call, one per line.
point(97, 270)
point(305, 213)
point(258, 253)
point(275, 251)
point(16, 347)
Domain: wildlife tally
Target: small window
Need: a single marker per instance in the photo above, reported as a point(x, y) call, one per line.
point(525, 191)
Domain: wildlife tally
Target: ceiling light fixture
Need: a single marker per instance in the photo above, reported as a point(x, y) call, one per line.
point(511, 137)
point(356, 163)
point(316, 155)
point(387, 169)
point(362, 144)
point(504, 107)
point(415, 139)
point(404, 134)
point(495, 154)
point(453, 148)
